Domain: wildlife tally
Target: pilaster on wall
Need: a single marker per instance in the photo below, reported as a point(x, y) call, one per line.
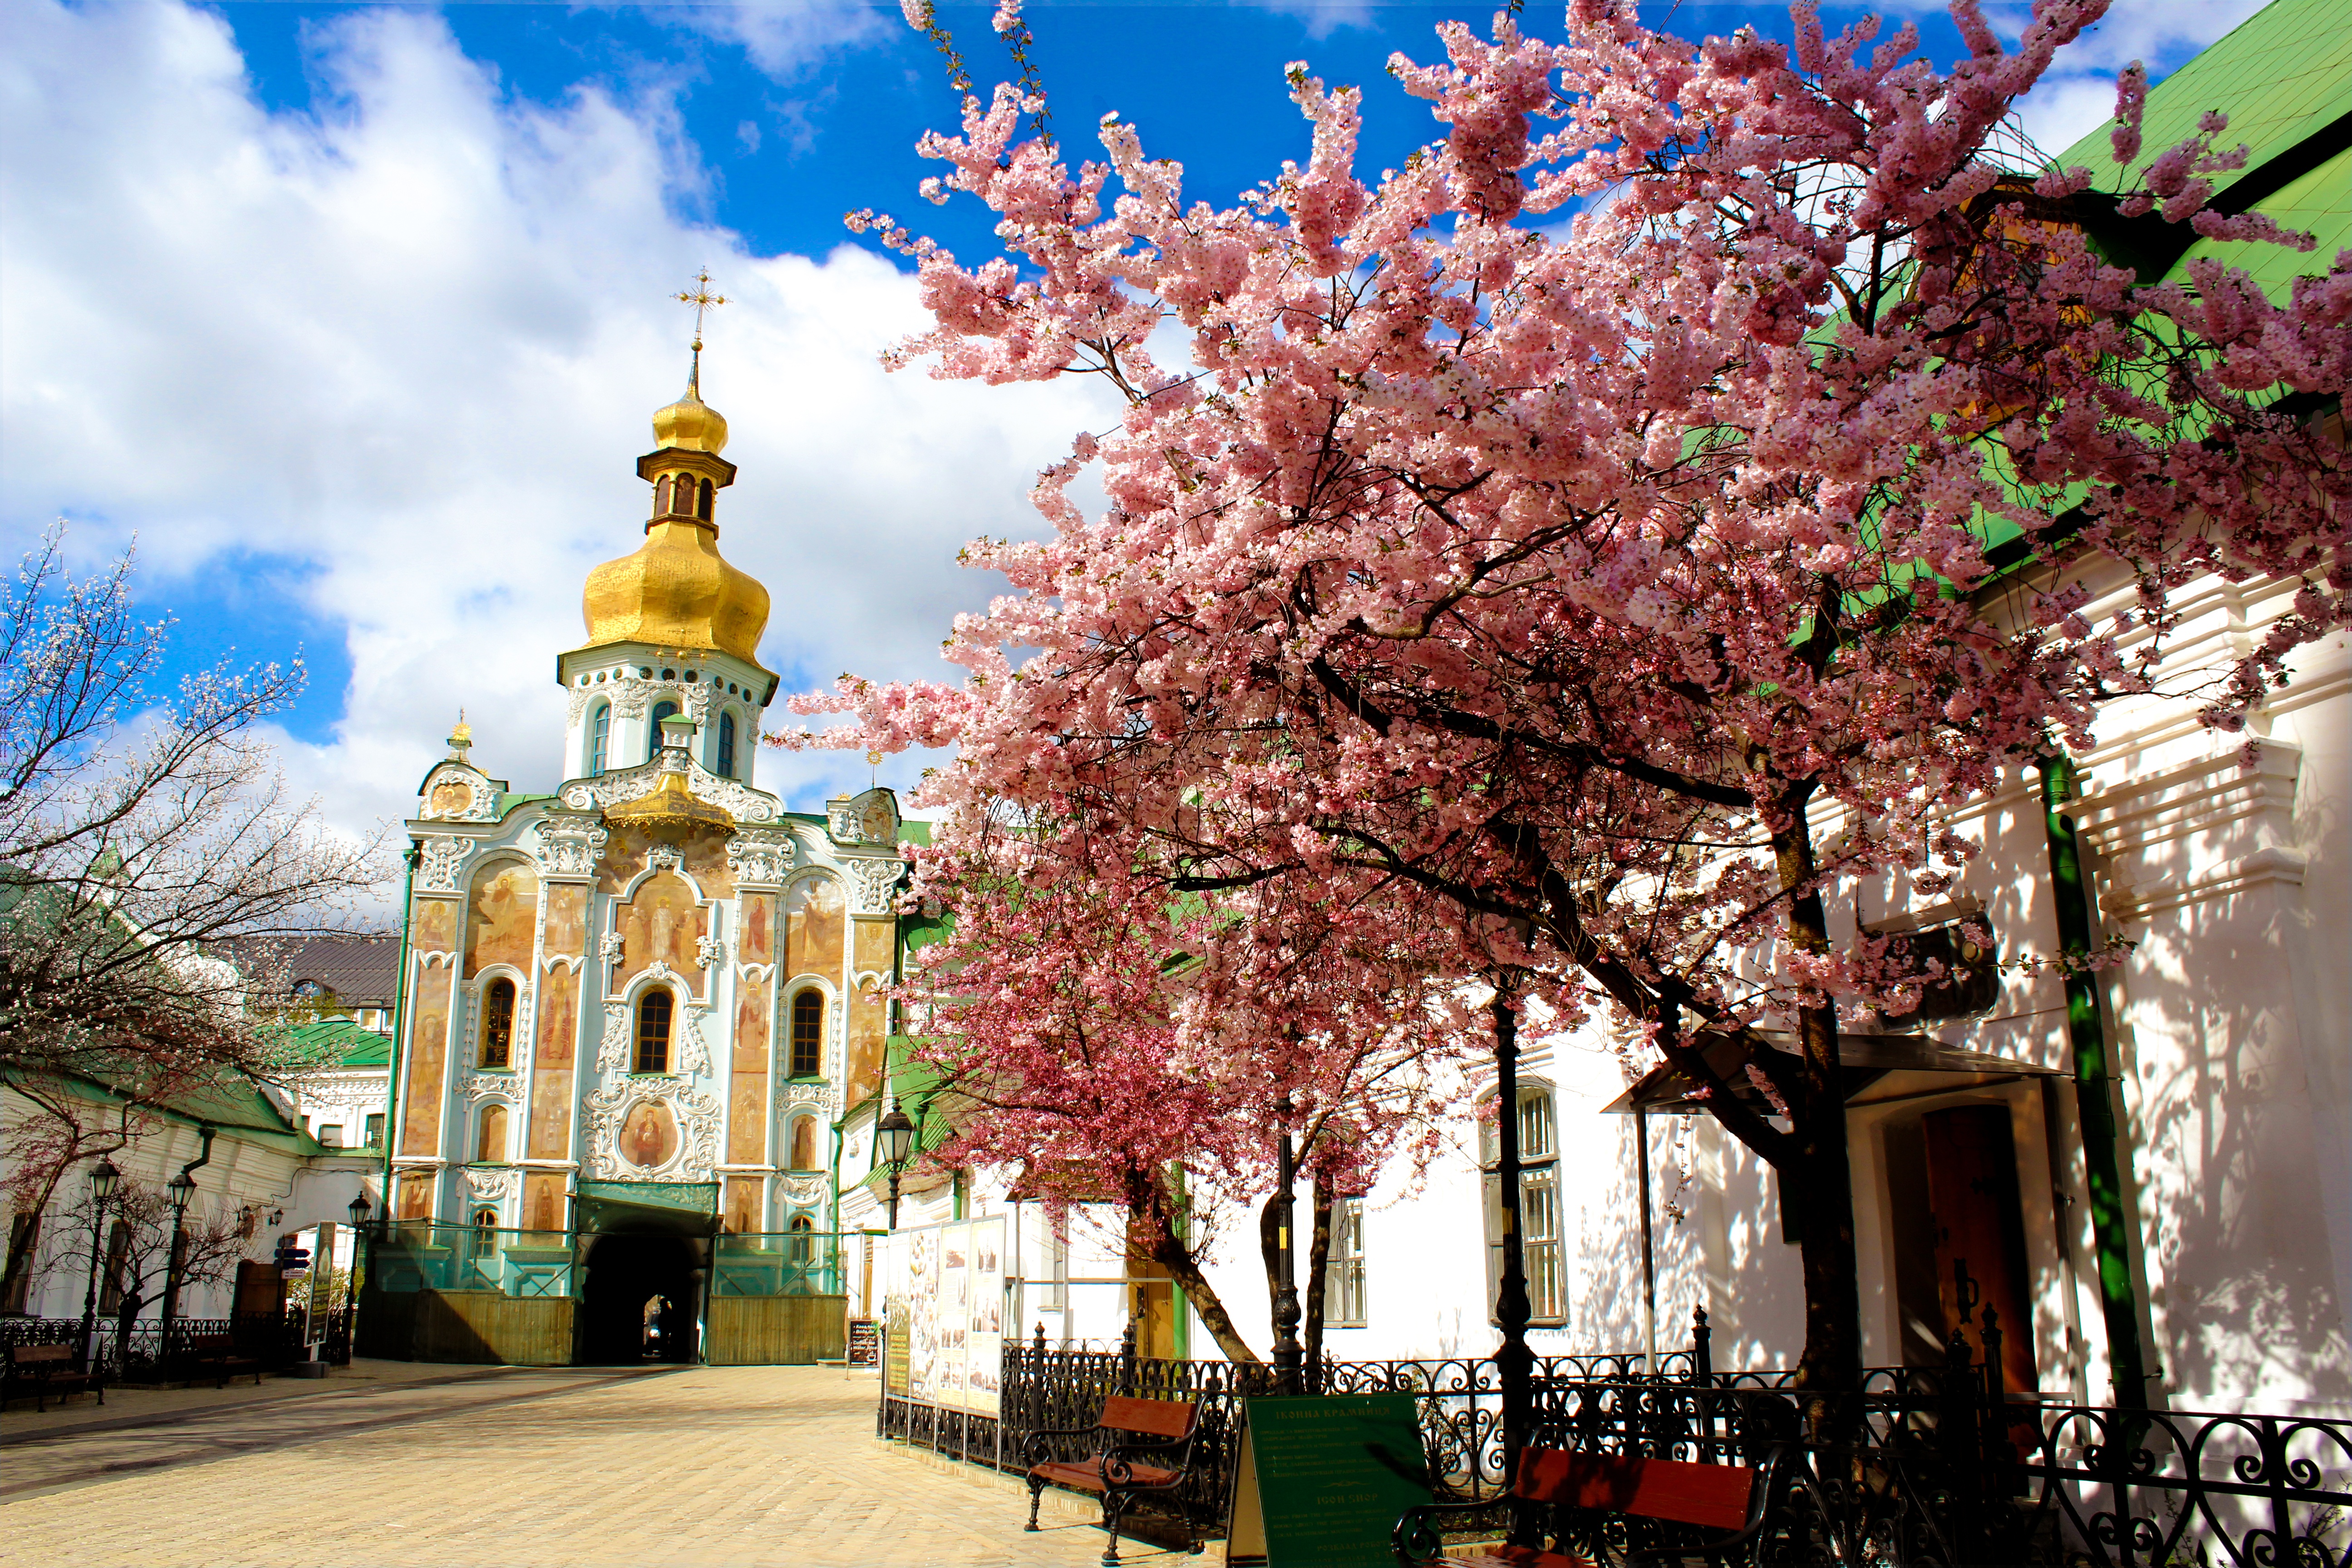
point(2203, 875)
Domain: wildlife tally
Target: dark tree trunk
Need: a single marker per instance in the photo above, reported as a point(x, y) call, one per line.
point(1156, 1218)
point(1318, 1257)
point(1819, 1179)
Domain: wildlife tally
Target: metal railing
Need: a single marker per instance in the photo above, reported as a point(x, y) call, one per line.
point(142, 1353)
point(1927, 1464)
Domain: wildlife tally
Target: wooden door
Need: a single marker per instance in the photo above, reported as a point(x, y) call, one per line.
point(1980, 1232)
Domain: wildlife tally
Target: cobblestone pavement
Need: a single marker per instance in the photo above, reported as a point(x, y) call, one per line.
point(520, 1466)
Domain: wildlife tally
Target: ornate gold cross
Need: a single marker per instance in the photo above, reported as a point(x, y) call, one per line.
point(701, 298)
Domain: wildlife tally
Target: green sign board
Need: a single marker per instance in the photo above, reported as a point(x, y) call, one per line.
point(1322, 1482)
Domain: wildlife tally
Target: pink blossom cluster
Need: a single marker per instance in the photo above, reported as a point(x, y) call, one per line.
point(1516, 596)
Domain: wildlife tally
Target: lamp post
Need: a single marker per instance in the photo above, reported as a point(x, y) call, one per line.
point(1514, 1361)
point(360, 1208)
point(894, 1138)
point(182, 1189)
point(102, 1180)
point(1286, 1315)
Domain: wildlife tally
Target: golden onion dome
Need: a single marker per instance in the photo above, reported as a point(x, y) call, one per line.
point(691, 424)
point(676, 591)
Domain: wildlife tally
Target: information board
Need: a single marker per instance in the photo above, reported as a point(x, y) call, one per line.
point(950, 1280)
point(1322, 1481)
point(865, 1342)
point(895, 1350)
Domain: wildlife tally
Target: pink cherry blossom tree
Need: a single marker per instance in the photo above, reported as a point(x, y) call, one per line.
point(1626, 526)
point(1117, 1046)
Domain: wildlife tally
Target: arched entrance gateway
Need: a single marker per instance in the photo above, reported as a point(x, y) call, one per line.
point(645, 1268)
point(641, 1299)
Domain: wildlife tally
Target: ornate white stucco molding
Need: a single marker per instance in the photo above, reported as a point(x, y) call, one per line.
point(493, 1186)
point(438, 866)
point(568, 848)
point(606, 790)
point(875, 882)
point(761, 856)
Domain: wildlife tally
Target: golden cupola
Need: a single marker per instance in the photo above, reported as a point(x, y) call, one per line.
point(676, 591)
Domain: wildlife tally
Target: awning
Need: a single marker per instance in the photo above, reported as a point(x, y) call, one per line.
point(1862, 1060)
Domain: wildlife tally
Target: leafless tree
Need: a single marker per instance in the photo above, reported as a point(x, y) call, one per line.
point(135, 1250)
point(143, 839)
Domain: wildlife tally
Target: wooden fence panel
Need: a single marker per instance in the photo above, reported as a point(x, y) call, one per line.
point(777, 1331)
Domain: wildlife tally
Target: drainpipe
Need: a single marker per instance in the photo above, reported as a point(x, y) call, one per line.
point(2093, 1098)
point(171, 1264)
point(399, 1015)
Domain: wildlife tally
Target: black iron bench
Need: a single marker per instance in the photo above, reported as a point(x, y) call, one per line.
point(1602, 1508)
point(50, 1368)
point(1127, 1427)
point(217, 1353)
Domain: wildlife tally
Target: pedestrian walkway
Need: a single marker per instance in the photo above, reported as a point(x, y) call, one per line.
point(517, 1467)
point(22, 1422)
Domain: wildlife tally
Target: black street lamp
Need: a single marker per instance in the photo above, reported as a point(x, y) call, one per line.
point(894, 1139)
point(1286, 1315)
point(1514, 1361)
point(102, 1180)
point(359, 1207)
point(182, 1189)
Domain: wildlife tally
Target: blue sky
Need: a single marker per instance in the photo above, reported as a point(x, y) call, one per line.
point(354, 315)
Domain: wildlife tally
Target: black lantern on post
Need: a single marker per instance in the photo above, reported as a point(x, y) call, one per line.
point(103, 1179)
point(182, 1191)
point(894, 1140)
point(361, 1208)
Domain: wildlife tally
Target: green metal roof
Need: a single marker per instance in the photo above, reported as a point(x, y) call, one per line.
point(343, 1042)
point(2282, 74)
point(2320, 204)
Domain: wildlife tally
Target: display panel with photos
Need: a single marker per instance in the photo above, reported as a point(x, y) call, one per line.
point(950, 1278)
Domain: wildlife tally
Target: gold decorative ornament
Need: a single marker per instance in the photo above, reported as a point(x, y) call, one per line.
point(675, 590)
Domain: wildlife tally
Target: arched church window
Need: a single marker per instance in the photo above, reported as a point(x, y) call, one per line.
point(702, 503)
point(803, 1233)
point(497, 1023)
point(661, 495)
point(490, 1145)
point(653, 1030)
point(600, 733)
point(804, 1144)
point(653, 737)
point(727, 745)
point(808, 1035)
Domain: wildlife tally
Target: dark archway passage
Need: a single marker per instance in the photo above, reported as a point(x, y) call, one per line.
point(626, 1272)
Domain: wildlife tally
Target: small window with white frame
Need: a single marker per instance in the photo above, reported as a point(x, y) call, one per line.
point(1345, 1304)
point(1539, 1210)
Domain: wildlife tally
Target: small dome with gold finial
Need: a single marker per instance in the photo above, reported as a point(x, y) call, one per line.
point(675, 590)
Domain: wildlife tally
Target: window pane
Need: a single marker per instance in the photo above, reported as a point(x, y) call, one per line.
point(1539, 1211)
point(1535, 1124)
point(1344, 1302)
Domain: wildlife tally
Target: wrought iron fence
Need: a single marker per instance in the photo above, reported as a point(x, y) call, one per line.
point(1930, 1466)
point(141, 1352)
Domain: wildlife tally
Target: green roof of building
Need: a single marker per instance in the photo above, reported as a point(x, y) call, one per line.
point(2280, 75)
point(352, 1046)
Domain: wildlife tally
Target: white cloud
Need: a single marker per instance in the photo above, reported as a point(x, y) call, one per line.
point(412, 340)
point(787, 39)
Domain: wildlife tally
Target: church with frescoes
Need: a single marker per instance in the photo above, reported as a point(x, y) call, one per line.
point(636, 1011)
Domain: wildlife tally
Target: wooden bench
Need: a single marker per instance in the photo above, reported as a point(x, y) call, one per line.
point(1126, 1428)
point(1601, 1508)
point(51, 1369)
point(218, 1351)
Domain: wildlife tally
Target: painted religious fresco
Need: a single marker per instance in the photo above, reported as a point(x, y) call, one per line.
point(449, 797)
point(813, 912)
point(661, 922)
point(756, 940)
point(746, 1107)
point(543, 1205)
point(550, 1083)
point(744, 1207)
point(434, 927)
point(503, 919)
point(648, 1135)
point(869, 1031)
point(428, 1053)
point(567, 921)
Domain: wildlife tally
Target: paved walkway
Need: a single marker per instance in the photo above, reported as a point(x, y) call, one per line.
point(515, 1467)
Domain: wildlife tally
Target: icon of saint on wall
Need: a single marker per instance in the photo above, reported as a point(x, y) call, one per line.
point(648, 1136)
